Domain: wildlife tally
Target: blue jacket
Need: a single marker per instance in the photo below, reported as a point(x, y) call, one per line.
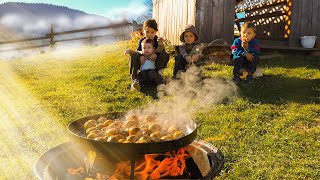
point(238, 51)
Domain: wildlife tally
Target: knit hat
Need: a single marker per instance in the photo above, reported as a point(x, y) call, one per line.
point(189, 28)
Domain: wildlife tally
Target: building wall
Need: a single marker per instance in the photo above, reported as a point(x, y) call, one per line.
point(172, 16)
point(305, 20)
point(215, 20)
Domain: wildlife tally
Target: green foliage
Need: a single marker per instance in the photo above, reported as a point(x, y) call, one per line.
point(170, 49)
point(270, 132)
point(135, 37)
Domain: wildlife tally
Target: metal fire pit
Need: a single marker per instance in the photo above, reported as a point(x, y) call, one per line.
point(54, 163)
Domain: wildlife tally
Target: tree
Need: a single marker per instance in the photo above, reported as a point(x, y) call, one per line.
point(149, 5)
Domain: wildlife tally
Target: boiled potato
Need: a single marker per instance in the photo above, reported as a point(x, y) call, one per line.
point(178, 134)
point(133, 130)
point(144, 126)
point(154, 127)
point(145, 132)
point(116, 124)
point(121, 140)
point(98, 132)
point(172, 129)
point(89, 124)
point(111, 131)
point(155, 136)
point(124, 133)
point(108, 122)
point(105, 138)
point(132, 118)
point(141, 118)
point(102, 120)
point(91, 129)
point(100, 126)
point(119, 136)
point(145, 138)
point(92, 135)
point(166, 138)
point(149, 118)
point(131, 138)
point(113, 139)
point(130, 123)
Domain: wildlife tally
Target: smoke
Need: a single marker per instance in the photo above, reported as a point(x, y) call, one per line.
point(180, 99)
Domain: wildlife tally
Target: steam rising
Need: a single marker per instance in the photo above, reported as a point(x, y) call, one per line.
point(179, 99)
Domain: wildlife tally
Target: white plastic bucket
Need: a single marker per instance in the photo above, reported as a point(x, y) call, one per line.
point(308, 41)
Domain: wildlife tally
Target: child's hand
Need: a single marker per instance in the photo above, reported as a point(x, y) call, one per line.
point(160, 41)
point(189, 59)
point(142, 60)
point(249, 56)
point(196, 57)
point(127, 51)
point(153, 57)
point(245, 45)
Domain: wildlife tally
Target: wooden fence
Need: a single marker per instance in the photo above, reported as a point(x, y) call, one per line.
point(52, 35)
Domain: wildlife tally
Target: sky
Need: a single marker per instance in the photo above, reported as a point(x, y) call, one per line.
point(107, 8)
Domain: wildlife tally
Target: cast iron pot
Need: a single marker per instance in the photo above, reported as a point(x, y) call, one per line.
point(126, 151)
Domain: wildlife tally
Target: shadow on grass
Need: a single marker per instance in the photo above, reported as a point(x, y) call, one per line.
point(292, 62)
point(277, 89)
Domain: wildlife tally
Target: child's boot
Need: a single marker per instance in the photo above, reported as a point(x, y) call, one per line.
point(135, 86)
point(236, 78)
point(249, 79)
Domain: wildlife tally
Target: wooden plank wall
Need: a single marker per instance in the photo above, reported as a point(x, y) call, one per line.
point(172, 16)
point(305, 20)
point(269, 28)
point(215, 20)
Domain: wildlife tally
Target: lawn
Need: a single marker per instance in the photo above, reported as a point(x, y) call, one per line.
point(270, 130)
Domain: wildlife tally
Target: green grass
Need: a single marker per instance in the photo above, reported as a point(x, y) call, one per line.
point(270, 132)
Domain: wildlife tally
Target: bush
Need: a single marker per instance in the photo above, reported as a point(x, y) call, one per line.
point(135, 36)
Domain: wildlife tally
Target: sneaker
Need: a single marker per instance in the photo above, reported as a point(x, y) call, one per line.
point(179, 74)
point(236, 79)
point(249, 79)
point(135, 86)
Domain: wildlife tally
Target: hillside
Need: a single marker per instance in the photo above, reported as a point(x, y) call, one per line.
point(35, 18)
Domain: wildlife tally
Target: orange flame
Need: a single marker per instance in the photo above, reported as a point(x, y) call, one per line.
point(174, 165)
point(75, 172)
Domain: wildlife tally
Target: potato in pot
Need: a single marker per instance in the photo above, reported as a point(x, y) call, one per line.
point(116, 124)
point(154, 127)
point(90, 123)
point(132, 118)
point(130, 123)
point(102, 120)
point(133, 130)
point(178, 134)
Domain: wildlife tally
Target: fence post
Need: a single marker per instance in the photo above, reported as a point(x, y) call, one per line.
point(52, 43)
point(134, 26)
point(91, 38)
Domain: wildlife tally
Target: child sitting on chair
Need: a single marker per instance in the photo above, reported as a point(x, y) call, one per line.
point(245, 50)
point(148, 73)
point(189, 51)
